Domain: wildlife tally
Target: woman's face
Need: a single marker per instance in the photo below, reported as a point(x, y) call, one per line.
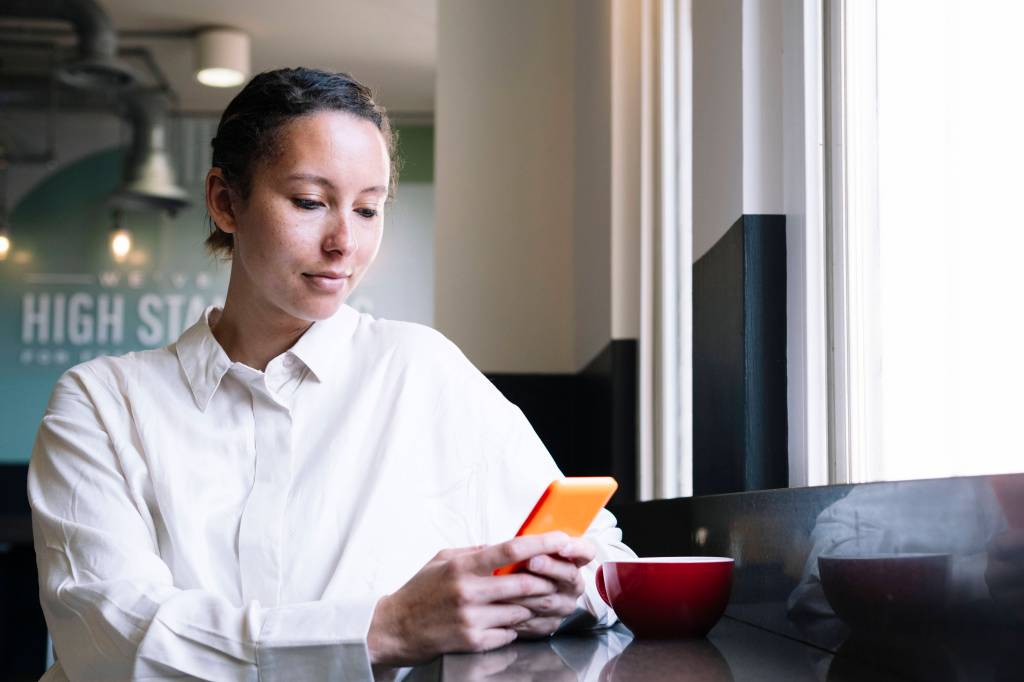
point(313, 221)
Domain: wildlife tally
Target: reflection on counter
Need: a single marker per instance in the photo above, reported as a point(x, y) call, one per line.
point(732, 652)
point(654, 660)
point(915, 571)
point(922, 578)
point(910, 549)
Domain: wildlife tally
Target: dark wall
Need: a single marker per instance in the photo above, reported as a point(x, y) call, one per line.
point(22, 628)
point(587, 420)
point(740, 439)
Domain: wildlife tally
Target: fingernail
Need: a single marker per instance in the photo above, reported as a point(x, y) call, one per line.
point(536, 563)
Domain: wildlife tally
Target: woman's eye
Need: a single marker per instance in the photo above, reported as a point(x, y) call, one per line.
point(367, 212)
point(308, 204)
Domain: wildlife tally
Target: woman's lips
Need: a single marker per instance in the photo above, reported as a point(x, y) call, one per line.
point(329, 283)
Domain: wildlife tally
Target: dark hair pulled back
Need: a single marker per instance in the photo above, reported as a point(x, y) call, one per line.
point(248, 129)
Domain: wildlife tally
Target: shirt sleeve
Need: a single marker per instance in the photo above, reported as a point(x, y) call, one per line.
point(517, 468)
point(111, 603)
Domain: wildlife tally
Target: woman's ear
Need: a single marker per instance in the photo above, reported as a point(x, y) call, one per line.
point(219, 201)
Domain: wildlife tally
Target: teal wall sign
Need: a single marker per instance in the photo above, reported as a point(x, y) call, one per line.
point(65, 299)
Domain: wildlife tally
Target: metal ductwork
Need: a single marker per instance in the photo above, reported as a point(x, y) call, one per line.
point(149, 178)
point(97, 65)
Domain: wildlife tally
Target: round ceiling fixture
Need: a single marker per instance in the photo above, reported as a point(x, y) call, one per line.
point(222, 57)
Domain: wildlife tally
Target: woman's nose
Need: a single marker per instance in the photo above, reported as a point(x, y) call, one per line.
point(341, 237)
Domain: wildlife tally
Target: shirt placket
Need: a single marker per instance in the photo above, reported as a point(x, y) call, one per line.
point(260, 536)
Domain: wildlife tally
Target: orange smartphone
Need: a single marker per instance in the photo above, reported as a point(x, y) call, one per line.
point(568, 505)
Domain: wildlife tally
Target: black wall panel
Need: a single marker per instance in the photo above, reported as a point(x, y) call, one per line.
point(740, 439)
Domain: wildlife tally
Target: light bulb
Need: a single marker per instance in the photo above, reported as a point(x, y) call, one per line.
point(220, 78)
point(5, 246)
point(222, 56)
point(120, 244)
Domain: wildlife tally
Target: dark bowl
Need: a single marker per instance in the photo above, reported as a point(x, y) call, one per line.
point(884, 592)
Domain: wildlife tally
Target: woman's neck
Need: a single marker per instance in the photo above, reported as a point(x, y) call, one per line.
point(254, 337)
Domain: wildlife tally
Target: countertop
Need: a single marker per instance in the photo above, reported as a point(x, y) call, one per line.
point(733, 651)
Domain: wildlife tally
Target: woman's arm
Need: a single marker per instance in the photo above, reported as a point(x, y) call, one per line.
point(111, 603)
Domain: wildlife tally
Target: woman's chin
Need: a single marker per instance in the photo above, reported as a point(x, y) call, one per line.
point(319, 309)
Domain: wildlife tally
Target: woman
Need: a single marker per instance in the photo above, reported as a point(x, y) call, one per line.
point(292, 489)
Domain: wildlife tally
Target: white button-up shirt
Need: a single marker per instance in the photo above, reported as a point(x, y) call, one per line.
point(194, 516)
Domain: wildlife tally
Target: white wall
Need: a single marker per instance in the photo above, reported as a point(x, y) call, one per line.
point(538, 178)
point(504, 182)
point(717, 120)
point(592, 159)
point(400, 285)
point(626, 79)
point(762, 106)
point(606, 236)
point(738, 114)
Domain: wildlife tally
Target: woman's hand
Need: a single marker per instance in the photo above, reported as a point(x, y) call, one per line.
point(563, 569)
point(454, 603)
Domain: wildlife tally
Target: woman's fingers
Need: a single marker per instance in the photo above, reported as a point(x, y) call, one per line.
point(552, 605)
point(579, 551)
point(487, 560)
point(506, 588)
point(556, 569)
point(491, 616)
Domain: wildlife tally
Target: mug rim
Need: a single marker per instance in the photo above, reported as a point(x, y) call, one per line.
point(883, 556)
point(673, 560)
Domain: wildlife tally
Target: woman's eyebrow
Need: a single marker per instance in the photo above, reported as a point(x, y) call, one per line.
point(318, 179)
point(321, 180)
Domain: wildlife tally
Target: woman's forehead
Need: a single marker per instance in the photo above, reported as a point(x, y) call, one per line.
point(335, 147)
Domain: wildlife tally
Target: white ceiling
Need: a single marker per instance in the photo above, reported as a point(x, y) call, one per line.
point(390, 45)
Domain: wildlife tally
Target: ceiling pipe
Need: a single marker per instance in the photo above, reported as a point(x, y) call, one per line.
point(97, 65)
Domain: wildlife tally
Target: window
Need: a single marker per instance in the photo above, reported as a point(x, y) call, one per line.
point(926, 237)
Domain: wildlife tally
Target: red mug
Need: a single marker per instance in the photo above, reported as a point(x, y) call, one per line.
point(667, 597)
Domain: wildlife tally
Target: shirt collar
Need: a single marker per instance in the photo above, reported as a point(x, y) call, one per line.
point(320, 348)
point(205, 363)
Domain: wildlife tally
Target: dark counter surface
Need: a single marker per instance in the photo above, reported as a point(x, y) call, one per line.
point(921, 579)
point(734, 651)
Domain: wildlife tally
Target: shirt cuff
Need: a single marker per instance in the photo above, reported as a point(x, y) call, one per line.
point(316, 641)
point(591, 611)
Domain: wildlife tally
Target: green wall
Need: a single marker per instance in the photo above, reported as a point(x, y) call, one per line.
point(416, 151)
